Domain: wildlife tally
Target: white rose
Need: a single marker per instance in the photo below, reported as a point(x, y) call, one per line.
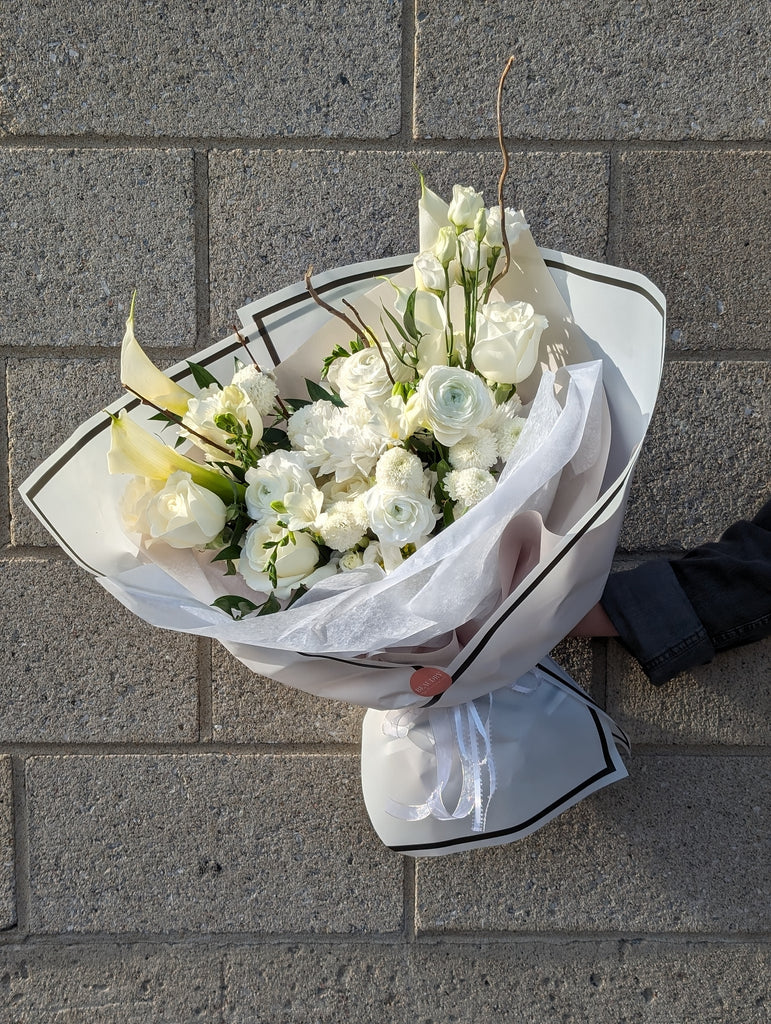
point(507, 338)
point(273, 479)
point(344, 490)
point(464, 206)
point(429, 273)
point(296, 560)
point(397, 517)
point(184, 515)
point(214, 401)
point(361, 374)
point(453, 402)
point(515, 225)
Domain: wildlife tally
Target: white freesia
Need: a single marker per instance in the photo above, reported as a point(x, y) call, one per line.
point(274, 479)
point(429, 273)
point(453, 402)
point(464, 206)
point(515, 225)
point(507, 339)
point(297, 558)
point(397, 517)
point(394, 420)
point(212, 402)
point(260, 388)
point(184, 515)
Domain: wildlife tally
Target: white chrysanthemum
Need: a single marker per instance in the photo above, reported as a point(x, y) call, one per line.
point(260, 388)
point(469, 486)
point(343, 525)
point(339, 442)
point(400, 470)
point(508, 434)
point(479, 451)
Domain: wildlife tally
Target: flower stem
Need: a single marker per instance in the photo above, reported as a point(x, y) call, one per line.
point(331, 309)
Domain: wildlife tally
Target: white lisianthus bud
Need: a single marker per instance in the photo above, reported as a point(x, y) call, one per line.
point(273, 479)
point(184, 515)
point(296, 560)
point(446, 245)
point(432, 216)
point(260, 388)
point(507, 339)
point(515, 225)
point(399, 518)
point(429, 273)
point(453, 403)
point(468, 487)
point(470, 252)
point(400, 470)
point(480, 225)
point(464, 206)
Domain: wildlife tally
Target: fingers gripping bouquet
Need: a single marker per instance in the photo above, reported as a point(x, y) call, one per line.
point(400, 485)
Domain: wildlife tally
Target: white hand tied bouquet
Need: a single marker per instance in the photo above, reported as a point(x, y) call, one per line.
point(418, 417)
point(416, 534)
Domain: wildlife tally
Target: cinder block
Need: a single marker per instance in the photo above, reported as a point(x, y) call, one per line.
point(726, 701)
point(575, 655)
point(78, 667)
point(166, 843)
point(668, 71)
point(690, 983)
point(82, 229)
point(7, 848)
point(272, 214)
point(108, 983)
point(188, 69)
point(47, 400)
point(697, 224)
point(677, 847)
point(704, 464)
point(247, 708)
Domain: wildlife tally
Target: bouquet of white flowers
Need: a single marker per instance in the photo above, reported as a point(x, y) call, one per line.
point(400, 484)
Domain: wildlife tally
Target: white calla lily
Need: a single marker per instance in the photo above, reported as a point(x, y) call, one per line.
point(142, 377)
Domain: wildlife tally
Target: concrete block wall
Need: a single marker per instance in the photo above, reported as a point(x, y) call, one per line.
point(181, 841)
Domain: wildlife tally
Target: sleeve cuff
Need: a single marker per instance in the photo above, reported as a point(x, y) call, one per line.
point(655, 620)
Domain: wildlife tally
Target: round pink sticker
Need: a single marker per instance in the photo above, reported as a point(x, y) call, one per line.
point(428, 682)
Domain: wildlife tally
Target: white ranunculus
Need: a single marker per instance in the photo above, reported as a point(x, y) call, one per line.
point(507, 338)
point(515, 225)
point(464, 206)
point(296, 560)
point(429, 273)
point(214, 401)
point(343, 490)
point(184, 515)
point(453, 402)
point(274, 478)
point(399, 517)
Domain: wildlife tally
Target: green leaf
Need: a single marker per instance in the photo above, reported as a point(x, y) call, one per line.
point(448, 512)
point(232, 551)
point(271, 605)
point(297, 594)
point(235, 606)
point(319, 394)
point(201, 375)
point(409, 315)
point(293, 404)
point(275, 438)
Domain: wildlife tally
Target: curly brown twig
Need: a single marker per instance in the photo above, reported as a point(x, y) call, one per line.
point(178, 420)
point(372, 337)
point(504, 173)
point(331, 309)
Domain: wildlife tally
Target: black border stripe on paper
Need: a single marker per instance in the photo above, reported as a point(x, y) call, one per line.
point(503, 833)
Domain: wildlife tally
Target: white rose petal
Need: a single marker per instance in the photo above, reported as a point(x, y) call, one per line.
point(454, 402)
point(507, 339)
point(135, 502)
point(184, 515)
point(296, 560)
point(515, 225)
